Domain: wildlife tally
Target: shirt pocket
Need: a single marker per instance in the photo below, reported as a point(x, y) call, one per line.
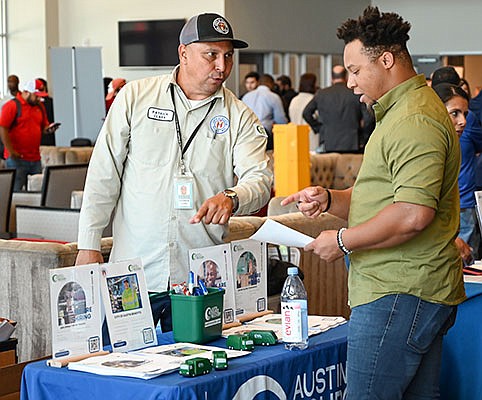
point(154, 146)
point(213, 157)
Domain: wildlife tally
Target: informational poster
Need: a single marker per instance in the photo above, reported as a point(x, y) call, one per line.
point(250, 274)
point(127, 307)
point(75, 305)
point(213, 265)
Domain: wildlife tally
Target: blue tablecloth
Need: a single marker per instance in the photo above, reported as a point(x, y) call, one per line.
point(461, 375)
point(317, 372)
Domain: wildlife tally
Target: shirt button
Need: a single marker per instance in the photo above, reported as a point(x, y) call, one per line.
point(171, 244)
point(173, 217)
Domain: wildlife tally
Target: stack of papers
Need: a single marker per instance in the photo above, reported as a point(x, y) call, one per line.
point(316, 324)
point(150, 362)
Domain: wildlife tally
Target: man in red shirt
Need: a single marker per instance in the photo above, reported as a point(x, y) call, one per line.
point(23, 121)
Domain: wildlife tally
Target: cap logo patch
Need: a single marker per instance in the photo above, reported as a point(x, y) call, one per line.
point(219, 124)
point(221, 26)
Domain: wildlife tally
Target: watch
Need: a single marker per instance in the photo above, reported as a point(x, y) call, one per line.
point(234, 197)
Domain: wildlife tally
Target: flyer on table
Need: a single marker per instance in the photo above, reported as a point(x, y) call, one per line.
point(213, 265)
point(127, 307)
point(250, 274)
point(75, 305)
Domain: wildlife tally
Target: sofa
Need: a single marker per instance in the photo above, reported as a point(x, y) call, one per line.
point(24, 267)
point(334, 170)
point(56, 155)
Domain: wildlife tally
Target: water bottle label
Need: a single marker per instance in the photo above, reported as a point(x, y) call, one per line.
point(291, 320)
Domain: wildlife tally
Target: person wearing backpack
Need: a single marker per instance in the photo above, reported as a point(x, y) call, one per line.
point(23, 121)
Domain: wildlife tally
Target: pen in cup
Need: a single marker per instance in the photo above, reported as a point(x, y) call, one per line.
point(190, 284)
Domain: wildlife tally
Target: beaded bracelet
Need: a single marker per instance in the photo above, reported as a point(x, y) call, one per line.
point(339, 240)
point(328, 202)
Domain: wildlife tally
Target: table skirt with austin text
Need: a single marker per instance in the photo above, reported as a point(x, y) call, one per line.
point(318, 372)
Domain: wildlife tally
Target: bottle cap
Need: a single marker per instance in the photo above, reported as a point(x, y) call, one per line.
point(293, 271)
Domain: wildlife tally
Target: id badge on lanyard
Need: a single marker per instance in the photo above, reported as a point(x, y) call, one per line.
point(184, 191)
point(184, 181)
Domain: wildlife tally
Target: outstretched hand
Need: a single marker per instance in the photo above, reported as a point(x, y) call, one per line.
point(311, 201)
point(215, 210)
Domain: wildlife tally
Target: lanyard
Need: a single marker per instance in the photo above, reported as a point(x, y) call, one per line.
point(193, 134)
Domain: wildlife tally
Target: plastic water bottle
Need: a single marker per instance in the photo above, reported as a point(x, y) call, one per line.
point(294, 312)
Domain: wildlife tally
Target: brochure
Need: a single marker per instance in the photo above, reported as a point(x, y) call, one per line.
point(127, 307)
point(150, 362)
point(250, 271)
point(213, 264)
point(144, 366)
point(75, 305)
point(316, 324)
point(183, 351)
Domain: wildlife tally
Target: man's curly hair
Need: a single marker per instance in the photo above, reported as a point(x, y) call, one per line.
point(378, 32)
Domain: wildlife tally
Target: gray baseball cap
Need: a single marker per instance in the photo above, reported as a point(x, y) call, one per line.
point(209, 27)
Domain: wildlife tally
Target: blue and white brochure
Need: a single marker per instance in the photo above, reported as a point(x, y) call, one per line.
point(127, 308)
point(213, 265)
point(75, 305)
point(250, 274)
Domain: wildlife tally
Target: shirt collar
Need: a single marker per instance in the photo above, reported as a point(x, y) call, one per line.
point(386, 102)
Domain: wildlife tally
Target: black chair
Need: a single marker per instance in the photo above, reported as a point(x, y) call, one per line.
point(7, 180)
point(59, 182)
point(81, 142)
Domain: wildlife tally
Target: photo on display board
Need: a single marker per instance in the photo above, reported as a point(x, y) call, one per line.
point(75, 306)
point(209, 271)
point(71, 304)
point(124, 293)
point(127, 308)
point(246, 270)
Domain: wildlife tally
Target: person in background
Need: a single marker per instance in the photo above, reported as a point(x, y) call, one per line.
point(47, 140)
point(21, 134)
point(471, 146)
point(405, 278)
point(12, 84)
point(163, 133)
point(106, 80)
point(267, 105)
point(306, 92)
point(456, 101)
point(286, 92)
point(251, 81)
point(114, 87)
point(335, 114)
point(464, 84)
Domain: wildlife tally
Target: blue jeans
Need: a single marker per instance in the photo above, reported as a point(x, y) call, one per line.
point(468, 230)
point(23, 168)
point(395, 348)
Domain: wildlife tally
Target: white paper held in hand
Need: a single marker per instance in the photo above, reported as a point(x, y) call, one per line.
point(276, 233)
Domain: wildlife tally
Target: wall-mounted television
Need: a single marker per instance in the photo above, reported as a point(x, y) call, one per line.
point(150, 43)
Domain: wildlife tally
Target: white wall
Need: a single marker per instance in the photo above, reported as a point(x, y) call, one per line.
point(94, 23)
point(34, 25)
point(26, 39)
point(440, 26)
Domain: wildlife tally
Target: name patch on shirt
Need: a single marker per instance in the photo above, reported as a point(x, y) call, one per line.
point(159, 114)
point(219, 124)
